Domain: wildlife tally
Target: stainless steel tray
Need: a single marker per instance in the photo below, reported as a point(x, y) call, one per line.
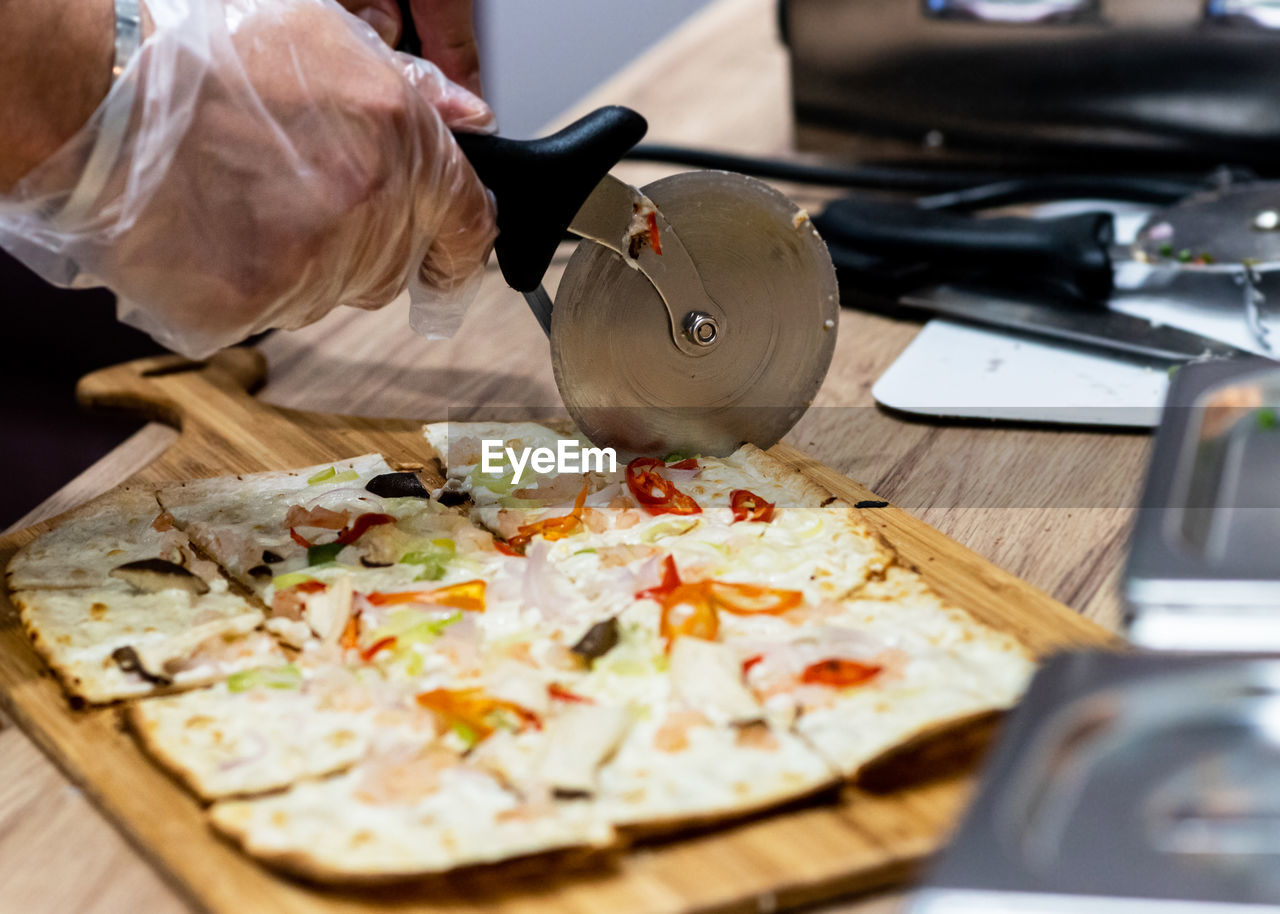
point(1135, 784)
point(1204, 568)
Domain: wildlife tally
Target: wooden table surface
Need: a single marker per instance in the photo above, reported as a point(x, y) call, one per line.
point(1052, 506)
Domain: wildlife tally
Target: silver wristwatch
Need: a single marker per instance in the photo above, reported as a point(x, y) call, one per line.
point(113, 120)
point(128, 35)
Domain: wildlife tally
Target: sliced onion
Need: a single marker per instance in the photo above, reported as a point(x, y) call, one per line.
point(679, 477)
point(602, 497)
point(461, 642)
point(345, 496)
point(545, 587)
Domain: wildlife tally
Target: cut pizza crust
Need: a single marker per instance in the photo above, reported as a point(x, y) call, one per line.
point(105, 644)
point(236, 519)
point(413, 811)
point(224, 744)
point(93, 540)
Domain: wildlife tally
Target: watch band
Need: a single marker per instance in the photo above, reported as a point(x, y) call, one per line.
point(128, 35)
point(112, 120)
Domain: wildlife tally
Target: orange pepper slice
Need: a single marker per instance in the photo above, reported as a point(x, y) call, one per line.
point(687, 611)
point(468, 595)
point(752, 599)
point(691, 609)
point(474, 710)
point(551, 528)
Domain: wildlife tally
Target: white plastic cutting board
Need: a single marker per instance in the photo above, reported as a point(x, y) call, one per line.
point(962, 371)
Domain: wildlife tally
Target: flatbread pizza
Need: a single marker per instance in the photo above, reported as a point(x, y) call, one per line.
point(372, 676)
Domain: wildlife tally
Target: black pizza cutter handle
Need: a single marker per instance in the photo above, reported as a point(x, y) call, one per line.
point(539, 185)
point(1069, 254)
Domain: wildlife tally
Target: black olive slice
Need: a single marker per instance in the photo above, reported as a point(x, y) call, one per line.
point(397, 485)
point(599, 640)
point(452, 498)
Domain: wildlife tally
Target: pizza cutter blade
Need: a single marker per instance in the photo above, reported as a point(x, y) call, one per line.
point(650, 375)
point(714, 330)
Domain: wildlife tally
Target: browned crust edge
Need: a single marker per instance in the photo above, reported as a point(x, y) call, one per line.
point(301, 865)
point(938, 750)
point(657, 829)
point(112, 496)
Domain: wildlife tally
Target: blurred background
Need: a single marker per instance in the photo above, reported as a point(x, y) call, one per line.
point(540, 57)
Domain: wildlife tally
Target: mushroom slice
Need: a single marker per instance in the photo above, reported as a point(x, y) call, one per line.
point(128, 660)
point(155, 575)
point(578, 742)
point(707, 676)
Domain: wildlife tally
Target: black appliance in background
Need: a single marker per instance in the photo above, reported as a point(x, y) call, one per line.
point(51, 337)
point(1110, 85)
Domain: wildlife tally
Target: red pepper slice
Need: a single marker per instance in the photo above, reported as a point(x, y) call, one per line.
point(360, 525)
point(687, 611)
point(689, 463)
point(655, 493)
point(752, 599)
point(653, 234)
point(644, 484)
point(838, 672)
point(501, 546)
point(749, 506)
point(750, 662)
point(380, 645)
point(552, 528)
point(560, 693)
point(670, 581)
point(468, 595)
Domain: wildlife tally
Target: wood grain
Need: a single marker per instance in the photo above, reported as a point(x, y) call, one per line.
point(860, 842)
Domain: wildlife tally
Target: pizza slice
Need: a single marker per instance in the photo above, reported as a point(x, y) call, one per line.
point(89, 544)
point(410, 810)
point(106, 644)
point(262, 525)
point(119, 603)
point(265, 729)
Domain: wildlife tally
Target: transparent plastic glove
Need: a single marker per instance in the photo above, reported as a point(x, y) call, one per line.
point(259, 163)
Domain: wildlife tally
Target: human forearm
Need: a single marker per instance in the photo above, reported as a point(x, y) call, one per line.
point(259, 163)
point(55, 68)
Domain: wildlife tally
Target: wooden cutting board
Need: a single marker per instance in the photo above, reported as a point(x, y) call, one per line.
point(857, 842)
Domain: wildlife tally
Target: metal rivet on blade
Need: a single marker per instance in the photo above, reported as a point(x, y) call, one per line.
point(700, 328)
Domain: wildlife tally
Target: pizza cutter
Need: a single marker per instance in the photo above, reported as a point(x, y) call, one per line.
point(696, 314)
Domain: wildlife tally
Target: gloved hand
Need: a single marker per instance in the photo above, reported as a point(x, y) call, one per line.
point(259, 163)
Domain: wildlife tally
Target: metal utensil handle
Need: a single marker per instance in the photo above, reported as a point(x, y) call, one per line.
point(1071, 252)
